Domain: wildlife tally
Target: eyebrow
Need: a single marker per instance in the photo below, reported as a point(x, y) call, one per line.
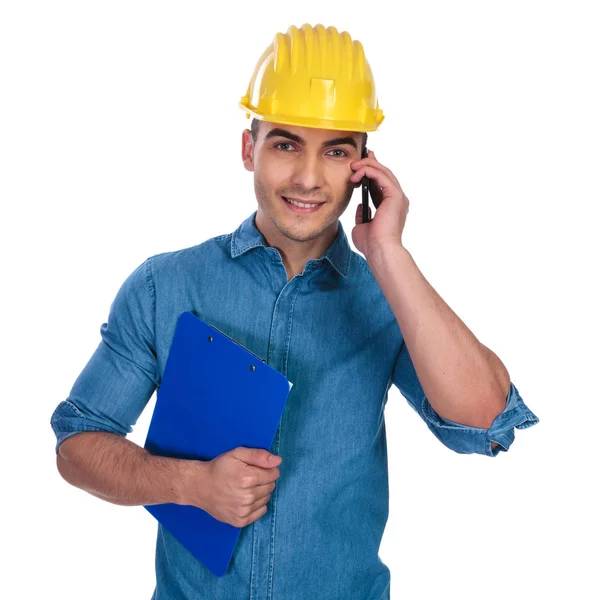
point(295, 138)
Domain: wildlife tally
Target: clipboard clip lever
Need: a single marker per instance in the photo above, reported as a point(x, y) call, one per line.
point(236, 342)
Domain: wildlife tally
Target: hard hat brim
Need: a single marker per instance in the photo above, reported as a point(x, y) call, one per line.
point(334, 125)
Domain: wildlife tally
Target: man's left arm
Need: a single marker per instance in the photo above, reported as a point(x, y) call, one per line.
point(463, 380)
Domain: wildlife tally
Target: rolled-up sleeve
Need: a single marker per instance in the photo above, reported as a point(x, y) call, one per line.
point(456, 436)
point(122, 373)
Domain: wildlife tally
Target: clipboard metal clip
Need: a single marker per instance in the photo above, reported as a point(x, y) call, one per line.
point(236, 342)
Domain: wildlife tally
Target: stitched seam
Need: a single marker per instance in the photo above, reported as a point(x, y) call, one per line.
point(150, 281)
point(74, 408)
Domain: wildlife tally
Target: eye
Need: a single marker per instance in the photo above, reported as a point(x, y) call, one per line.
point(343, 152)
point(283, 144)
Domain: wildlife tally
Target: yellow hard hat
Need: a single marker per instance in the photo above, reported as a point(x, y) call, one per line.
point(314, 77)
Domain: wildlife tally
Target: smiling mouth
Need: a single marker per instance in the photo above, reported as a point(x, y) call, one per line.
point(303, 203)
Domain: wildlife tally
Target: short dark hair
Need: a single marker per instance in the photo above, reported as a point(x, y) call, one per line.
point(255, 124)
point(254, 129)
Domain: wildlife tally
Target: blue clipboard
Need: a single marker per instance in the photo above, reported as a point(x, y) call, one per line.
point(215, 395)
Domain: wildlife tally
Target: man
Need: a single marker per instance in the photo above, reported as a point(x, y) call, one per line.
point(341, 327)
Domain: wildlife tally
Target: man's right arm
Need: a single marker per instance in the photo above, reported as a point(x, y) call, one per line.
point(106, 400)
point(234, 487)
point(119, 471)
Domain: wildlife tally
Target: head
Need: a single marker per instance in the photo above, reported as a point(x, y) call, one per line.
point(304, 163)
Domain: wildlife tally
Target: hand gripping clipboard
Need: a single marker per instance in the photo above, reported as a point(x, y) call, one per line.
point(215, 395)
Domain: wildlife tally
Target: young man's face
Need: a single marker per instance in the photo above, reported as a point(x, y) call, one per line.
point(304, 164)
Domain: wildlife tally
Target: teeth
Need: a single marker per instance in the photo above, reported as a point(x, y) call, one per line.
point(301, 204)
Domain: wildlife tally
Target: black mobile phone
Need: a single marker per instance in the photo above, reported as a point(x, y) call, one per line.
point(365, 192)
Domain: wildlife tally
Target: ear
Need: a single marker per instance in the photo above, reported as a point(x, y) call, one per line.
point(247, 150)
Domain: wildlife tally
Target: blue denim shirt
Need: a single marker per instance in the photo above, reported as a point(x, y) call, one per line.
point(332, 333)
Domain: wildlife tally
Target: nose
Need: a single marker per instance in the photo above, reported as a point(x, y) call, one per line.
point(308, 172)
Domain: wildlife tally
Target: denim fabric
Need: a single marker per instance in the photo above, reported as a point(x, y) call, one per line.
point(331, 332)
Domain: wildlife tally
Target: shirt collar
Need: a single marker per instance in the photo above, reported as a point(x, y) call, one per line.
point(247, 236)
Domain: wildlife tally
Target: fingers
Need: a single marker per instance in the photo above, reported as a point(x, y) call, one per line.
point(372, 173)
point(259, 503)
point(254, 509)
point(387, 171)
point(267, 476)
point(258, 494)
point(260, 491)
point(258, 477)
point(373, 162)
point(257, 514)
point(378, 183)
point(359, 218)
point(256, 456)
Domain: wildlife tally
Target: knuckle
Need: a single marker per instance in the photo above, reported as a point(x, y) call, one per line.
point(246, 481)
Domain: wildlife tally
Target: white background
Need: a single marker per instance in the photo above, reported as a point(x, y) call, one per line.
point(120, 137)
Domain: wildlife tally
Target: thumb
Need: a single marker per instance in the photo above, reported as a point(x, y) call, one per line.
point(257, 457)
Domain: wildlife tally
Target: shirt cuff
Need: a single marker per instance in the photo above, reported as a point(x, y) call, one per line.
point(466, 439)
point(67, 420)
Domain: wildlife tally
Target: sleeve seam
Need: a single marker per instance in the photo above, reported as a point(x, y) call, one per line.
point(150, 280)
point(75, 408)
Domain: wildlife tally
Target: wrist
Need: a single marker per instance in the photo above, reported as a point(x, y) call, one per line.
point(191, 484)
point(168, 476)
point(381, 253)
